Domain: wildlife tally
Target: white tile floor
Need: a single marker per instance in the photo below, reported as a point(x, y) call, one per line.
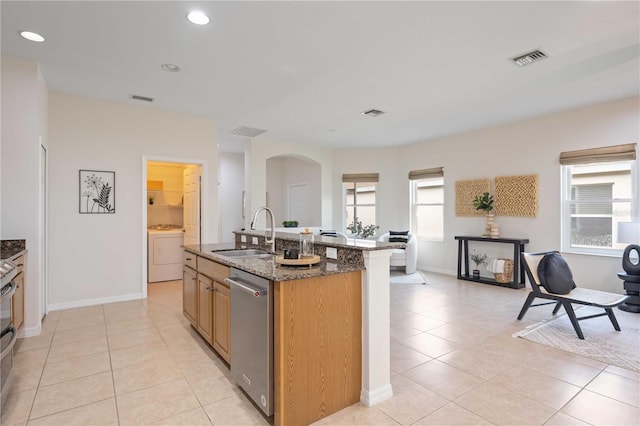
point(453, 362)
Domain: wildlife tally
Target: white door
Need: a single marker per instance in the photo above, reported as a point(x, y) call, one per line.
point(298, 203)
point(192, 205)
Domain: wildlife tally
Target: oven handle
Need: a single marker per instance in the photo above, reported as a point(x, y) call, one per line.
point(12, 330)
point(10, 292)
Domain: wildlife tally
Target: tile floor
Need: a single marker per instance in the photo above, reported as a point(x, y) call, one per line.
point(453, 362)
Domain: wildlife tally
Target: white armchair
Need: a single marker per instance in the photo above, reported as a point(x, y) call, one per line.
point(407, 257)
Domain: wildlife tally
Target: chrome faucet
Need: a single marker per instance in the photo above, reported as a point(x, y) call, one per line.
point(267, 240)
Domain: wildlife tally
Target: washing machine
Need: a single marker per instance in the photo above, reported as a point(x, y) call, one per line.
point(164, 253)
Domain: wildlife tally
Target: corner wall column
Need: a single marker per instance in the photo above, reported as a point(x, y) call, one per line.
point(376, 359)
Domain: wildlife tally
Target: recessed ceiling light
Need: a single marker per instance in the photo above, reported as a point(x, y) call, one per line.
point(170, 67)
point(198, 18)
point(31, 36)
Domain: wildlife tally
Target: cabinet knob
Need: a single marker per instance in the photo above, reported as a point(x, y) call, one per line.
point(188, 258)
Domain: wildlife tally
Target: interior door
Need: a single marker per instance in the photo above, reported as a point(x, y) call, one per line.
point(298, 203)
point(191, 188)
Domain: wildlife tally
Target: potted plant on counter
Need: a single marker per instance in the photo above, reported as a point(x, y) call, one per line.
point(478, 259)
point(359, 231)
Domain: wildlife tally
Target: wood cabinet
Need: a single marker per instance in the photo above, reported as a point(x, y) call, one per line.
point(190, 294)
point(206, 301)
point(317, 346)
point(205, 308)
point(221, 319)
point(17, 301)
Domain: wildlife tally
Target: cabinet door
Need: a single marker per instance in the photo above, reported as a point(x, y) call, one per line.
point(221, 323)
point(205, 308)
point(190, 295)
point(17, 301)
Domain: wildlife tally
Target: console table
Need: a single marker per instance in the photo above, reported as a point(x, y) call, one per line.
point(518, 268)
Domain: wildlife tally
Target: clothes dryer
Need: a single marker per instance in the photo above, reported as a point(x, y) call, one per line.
point(164, 253)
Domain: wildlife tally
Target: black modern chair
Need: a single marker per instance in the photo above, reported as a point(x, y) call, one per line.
point(573, 295)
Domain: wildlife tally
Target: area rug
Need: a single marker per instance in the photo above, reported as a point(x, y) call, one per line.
point(601, 341)
point(399, 277)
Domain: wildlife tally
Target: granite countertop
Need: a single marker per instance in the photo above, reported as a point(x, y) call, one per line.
point(351, 243)
point(267, 267)
point(10, 248)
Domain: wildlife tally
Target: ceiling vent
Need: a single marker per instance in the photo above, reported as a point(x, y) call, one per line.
point(141, 98)
point(247, 131)
point(529, 58)
point(373, 113)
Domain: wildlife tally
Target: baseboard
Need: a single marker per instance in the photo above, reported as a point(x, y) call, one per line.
point(376, 396)
point(437, 270)
point(30, 331)
point(91, 302)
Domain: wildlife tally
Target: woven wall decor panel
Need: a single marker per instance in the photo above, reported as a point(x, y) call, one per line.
point(466, 191)
point(516, 196)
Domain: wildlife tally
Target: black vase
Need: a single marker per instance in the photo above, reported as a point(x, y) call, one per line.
point(476, 274)
point(628, 266)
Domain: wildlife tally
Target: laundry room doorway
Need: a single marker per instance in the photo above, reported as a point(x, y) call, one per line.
point(171, 217)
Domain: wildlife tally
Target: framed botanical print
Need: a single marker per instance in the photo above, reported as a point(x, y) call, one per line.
point(97, 192)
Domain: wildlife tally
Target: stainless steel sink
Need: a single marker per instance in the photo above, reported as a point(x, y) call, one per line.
point(244, 253)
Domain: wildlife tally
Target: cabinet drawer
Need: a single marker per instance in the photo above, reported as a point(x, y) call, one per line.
point(189, 259)
point(212, 269)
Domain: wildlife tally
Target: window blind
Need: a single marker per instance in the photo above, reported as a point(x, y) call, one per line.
point(360, 177)
point(434, 172)
point(599, 155)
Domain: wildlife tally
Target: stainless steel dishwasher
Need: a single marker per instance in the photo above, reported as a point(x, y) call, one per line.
point(252, 336)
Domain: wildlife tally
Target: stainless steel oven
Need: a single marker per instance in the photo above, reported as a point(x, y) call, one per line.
point(8, 332)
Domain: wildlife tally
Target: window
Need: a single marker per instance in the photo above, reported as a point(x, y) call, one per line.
point(360, 197)
point(597, 195)
point(427, 203)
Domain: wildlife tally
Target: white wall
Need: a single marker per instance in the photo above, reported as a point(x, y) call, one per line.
point(256, 156)
point(275, 192)
point(526, 147)
point(231, 187)
point(98, 258)
point(390, 190)
point(285, 171)
point(24, 129)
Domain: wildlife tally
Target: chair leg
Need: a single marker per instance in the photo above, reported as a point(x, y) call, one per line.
point(613, 319)
point(557, 308)
point(527, 304)
point(574, 320)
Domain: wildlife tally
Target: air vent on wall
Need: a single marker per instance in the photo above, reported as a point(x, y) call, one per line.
point(247, 131)
point(529, 58)
point(373, 113)
point(141, 98)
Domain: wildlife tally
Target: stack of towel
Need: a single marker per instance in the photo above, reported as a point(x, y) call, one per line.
point(496, 266)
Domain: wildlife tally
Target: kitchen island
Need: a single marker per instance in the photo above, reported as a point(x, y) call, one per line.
point(329, 350)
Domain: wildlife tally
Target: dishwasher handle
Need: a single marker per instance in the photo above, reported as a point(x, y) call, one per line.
point(255, 292)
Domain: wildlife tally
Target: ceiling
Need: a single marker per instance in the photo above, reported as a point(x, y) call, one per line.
point(305, 71)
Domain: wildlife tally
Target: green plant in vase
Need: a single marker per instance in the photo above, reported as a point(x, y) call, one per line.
point(360, 231)
point(478, 259)
point(484, 203)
